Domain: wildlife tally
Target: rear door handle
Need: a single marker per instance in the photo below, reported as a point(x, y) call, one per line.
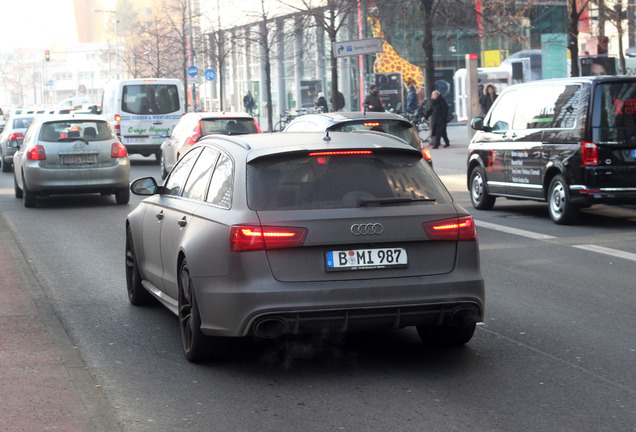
point(159, 215)
point(182, 222)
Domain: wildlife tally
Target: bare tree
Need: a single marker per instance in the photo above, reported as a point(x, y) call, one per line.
point(617, 16)
point(332, 17)
point(574, 13)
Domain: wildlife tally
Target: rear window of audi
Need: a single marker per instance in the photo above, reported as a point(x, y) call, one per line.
point(398, 128)
point(322, 181)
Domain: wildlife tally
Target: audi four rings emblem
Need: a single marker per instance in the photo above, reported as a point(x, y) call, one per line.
point(367, 229)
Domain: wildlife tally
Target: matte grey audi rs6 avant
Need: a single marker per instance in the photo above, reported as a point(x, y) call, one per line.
point(274, 234)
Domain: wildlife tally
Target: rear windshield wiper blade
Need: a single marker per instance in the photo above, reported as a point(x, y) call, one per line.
point(364, 202)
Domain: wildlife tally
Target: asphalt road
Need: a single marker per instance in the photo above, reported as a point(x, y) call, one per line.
point(557, 351)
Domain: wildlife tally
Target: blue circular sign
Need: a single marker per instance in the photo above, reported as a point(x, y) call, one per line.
point(193, 71)
point(210, 74)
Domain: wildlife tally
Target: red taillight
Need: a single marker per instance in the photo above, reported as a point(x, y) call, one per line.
point(245, 238)
point(341, 153)
point(118, 150)
point(371, 124)
point(117, 125)
point(36, 153)
point(16, 136)
point(427, 154)
point(454, 229)
point(589, 154)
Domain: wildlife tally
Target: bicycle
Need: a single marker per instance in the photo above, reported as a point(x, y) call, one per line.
point(285, 119)
point(419, 123)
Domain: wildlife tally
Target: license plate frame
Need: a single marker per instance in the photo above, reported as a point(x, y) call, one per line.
point(366, 259)
point(79, 159)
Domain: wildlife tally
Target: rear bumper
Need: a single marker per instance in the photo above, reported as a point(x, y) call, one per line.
point(270, 309)
point(78, 180)
point(605, 195)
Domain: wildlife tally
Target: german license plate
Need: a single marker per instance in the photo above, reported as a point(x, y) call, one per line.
point(79, 159)
point(135, 140)
point(366, 259)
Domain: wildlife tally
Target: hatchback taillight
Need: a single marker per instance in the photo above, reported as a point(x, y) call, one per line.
point(427, 154)
point(36, 153)
point(453, 229)
point(589, 154)
point(118, 150)
point(16, 136)
point(245, 238)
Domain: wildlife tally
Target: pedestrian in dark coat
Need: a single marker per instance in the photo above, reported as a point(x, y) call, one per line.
point(488, 98)
point(438, 113)
point(373, 101)
point(411, 99)
point(321, 103)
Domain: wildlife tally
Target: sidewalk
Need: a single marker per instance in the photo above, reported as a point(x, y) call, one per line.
point(44, 384)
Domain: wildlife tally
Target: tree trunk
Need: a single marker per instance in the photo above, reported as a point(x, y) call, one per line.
point(573, 37)
point(426, 6)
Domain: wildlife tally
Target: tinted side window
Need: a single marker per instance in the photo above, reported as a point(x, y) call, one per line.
point(547, 107)
point(501, 115)
point(200, 175)
point(220, 192)
point(178, 176)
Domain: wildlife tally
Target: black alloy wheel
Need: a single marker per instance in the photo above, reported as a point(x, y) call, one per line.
point(137, 294)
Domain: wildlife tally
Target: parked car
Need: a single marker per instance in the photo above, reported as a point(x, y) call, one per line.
point(390, 123)
point(194, 126)
point(294, 233)
point(570, 142)
point(11, 138)
point(70, 154)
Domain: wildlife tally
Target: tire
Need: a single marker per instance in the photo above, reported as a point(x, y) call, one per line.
point(16, 189)
point(479, 197)
point(447, 334)
point(561, 210)
point(158, 157)
point(29, 198)
point(193, 341)
point(137, 294)
point(5, 166)
point(122, 196)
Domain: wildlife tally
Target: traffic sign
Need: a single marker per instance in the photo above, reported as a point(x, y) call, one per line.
point(82, 88)
point(357, 47)
point(210, 74)
point(193, 71)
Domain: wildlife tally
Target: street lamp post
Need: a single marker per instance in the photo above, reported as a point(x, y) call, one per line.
point(114, 12)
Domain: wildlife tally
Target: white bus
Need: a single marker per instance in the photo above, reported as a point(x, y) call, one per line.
point(139, 110)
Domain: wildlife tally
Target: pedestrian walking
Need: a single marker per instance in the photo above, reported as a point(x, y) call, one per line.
point(248, 103)
point(411, 99)
point(373, 101)
point(438, 114)
point(321, 103)
point(488, 98)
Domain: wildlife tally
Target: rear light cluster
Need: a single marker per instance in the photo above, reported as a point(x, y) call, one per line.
point(36, 153)
point(16, 136)
point(245, 238)
point(117, 125)
point(427, 154)
point(196, 136)
point(589, 154)
point(118, 150)
point(455, 229)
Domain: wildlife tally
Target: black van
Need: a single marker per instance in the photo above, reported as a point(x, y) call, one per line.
point(570, 142)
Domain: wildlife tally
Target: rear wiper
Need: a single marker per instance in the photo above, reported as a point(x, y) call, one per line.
point(364, 202)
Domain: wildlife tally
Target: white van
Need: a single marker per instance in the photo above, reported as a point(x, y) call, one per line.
point(139, 110)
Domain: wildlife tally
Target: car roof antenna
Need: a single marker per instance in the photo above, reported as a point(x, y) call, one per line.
point(326, 137)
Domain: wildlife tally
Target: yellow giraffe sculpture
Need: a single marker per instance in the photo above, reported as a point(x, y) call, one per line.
point(388, 60)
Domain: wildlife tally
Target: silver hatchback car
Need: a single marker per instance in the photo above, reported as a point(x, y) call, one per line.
point(63, 154)
point(291, 233)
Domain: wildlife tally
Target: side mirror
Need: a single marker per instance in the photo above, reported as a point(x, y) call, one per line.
point(478, 124)
point(144, 186)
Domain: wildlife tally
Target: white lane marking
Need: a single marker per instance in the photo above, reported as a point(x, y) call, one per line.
point(514, 231)
point(608, 251)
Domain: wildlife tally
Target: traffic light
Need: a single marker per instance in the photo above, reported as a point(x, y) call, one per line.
point(47, 55)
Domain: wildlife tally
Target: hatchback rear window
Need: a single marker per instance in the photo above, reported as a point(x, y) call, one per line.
point(398, 128)
point(615, 115)
point(150, 99)
point(69, 130)
point(228, 126)
point(342, 181)
point(22, 122)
